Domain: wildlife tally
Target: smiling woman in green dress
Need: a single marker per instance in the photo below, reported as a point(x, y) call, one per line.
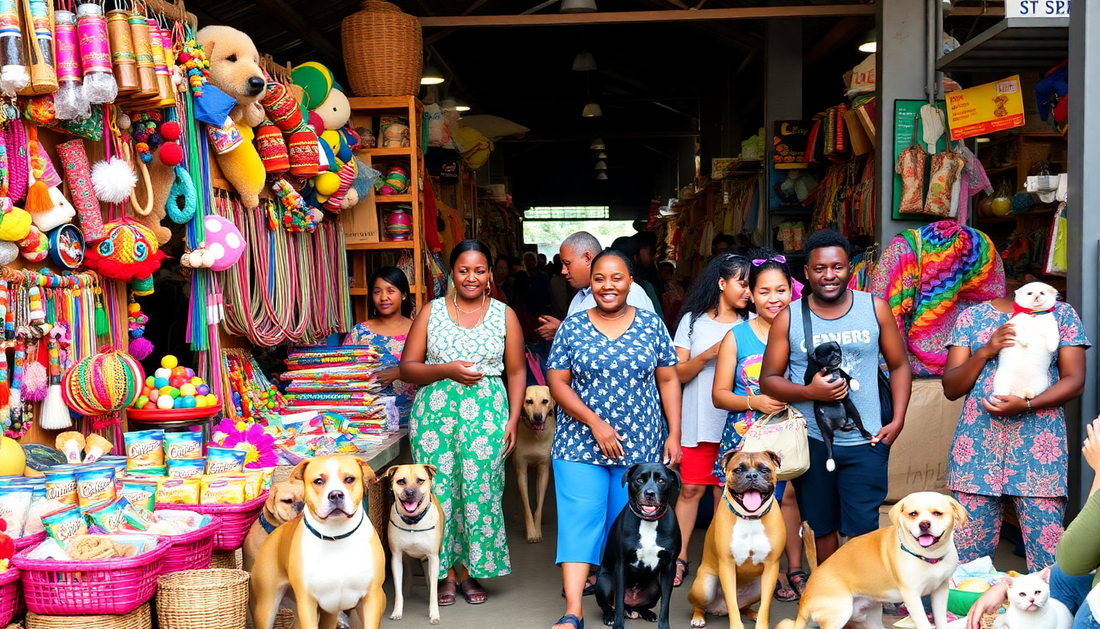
point(463, 421)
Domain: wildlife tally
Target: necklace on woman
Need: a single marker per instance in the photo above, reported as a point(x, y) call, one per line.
point(460, 312)
point(603, 316)
point(758, 330)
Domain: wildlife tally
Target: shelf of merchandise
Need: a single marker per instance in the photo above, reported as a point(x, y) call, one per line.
point(364, 113)
point(1012, 45)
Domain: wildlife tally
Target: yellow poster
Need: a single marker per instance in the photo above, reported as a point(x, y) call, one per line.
point(986, 108)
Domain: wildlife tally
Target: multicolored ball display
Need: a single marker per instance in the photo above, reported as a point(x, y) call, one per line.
point(101, 384)
point(175, 387)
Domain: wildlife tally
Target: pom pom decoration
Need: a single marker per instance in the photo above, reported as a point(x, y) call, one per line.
point(113, 179)
point(170, 130)
point(129, 253)
point(102, 384)
point(15, 223)
point(140, 347)
point(171, 154)
point(36, 380)
point(35, 247)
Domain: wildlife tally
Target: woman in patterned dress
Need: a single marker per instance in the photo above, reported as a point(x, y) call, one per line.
point(385, 330)
point(1010, 447)
point(463, 421)
point(612, 370)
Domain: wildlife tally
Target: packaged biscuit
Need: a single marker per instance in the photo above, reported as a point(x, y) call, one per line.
point(149, 472)
point(182, 445)
point(181, 491)
point(65, 524)
point(135, 519)
point(185, 468)
point(107, 516)
point(140, 492)
point(253, 485)
point(224, 460)
point(223, 489)
point(144, 449)
point(15, 504)
point(95, 485)
point(61, 485)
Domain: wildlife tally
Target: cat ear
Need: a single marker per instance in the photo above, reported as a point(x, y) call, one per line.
point(1007, 580)
point(1045, 574)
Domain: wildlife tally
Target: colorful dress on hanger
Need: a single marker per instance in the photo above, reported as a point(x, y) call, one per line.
point(389, 350)
point(460, 430)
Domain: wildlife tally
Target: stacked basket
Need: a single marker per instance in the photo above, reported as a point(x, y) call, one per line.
point(383, 50)
point(235, 520)
point(203, 599)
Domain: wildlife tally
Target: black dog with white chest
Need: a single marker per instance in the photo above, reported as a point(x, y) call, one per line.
point(639, 560)
point(842, 414)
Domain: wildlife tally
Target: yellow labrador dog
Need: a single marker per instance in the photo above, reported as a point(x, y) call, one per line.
point(913, 557)
point(534, 439)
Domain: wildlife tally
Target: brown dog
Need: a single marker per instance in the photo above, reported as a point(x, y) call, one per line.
point(533, 442)
point(415, 531)
point(743, 543)
point(913, 557)
point(284, 503)
point(235, 69)
point(330, 555)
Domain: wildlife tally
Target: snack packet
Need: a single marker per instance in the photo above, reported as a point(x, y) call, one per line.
point(182, 445)
point(15, 504)
point(149, 472)
point(268, 475)
point(224, 460)
point(107, 516)
point(223, 489)
point(144, 449)
point(65, 524)
point(186, 468)
point(61, 485)
point(182, 491)
point(95, 485)
point(253, 485)
point(140, 492)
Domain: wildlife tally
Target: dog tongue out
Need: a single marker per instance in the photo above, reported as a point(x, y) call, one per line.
point(751, 500)
point(926, 540)
point(410, 506)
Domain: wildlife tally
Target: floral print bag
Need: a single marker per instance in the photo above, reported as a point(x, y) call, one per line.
point(910, 166)
point(946, 167)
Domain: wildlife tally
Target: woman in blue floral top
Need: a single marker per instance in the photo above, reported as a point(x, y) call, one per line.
point(612, 370)
point(385, 330)
point(1010, 447)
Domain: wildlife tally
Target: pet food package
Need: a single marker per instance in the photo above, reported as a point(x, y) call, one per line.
point(182, 446)
point(95, 485)
point(224, 460)
point(15, 504)
point(61, 485)
point(65, 524)
point(223, 489)
point(181, 491)
point(144, 449)
point(186, 468)
point(140, 492)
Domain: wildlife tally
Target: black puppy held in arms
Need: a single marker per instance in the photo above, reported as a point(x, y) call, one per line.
point(841, 414)
point(639, 560)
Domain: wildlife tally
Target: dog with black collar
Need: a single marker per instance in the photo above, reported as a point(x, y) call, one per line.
point(284, 503)
point(415, 531)
point(639, 559)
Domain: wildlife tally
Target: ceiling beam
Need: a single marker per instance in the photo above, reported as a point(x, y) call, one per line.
point(298, 24)
point(606, 135)
point(636, 17)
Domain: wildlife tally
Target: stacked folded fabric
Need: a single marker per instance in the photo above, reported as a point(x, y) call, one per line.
point(338, 379)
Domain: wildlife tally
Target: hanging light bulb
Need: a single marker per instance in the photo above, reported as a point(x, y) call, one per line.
point(601, 165)
point(869, 44)
point(460, 105)
point(578, 6)
point(449, 103)
point(598, 145)
point(584, 62)
point(592, 110)
point(601, 155)
point(602, 175)
point(431, 75)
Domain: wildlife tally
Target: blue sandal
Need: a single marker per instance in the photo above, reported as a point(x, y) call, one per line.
point(570, 619)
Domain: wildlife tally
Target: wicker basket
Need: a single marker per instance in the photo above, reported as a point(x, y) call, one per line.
point(231, 559)
point(236, 519)
point(140, 618)
point(30, 540)
point(203, 599)
point(191, 551)
point(77, 588)
point(383, 50)
point(379, 503)
point(284, 619)
point(11, 596)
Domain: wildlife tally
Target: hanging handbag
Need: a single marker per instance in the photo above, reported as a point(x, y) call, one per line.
point(946, 166)
point(910, 166)
point(785, 434)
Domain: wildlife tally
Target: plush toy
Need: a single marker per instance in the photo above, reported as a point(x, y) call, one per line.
point(329, 109)
point(129, 253)
point(235, 69)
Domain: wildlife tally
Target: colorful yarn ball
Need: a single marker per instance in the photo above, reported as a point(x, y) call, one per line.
point(171, 154)
point(170, 131)
point(104, 383)
point(129, 252)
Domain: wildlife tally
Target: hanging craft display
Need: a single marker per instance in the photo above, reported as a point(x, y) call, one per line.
point(78, 174)
point(100, 385)
point(123, 61)
point(69, 100)
point(128, 253)
point(223, 239)
point(95, 54)
point(67, 247)
point(38, 16)
point(140, 347)
point(13, 74)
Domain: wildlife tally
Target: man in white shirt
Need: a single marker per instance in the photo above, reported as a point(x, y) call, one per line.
point(577, 252)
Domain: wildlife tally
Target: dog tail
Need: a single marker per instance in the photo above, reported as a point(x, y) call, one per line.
point(809, 542)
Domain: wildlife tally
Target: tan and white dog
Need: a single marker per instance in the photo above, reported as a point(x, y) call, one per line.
point(329, 556)
point(284, 503)
point(743, 543)
point(913, 557)
point(415, 531)
point(533, 442)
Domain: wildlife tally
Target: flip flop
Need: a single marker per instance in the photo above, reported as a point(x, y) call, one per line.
point(687, 571)
point(784, 593)
point(473, 590)
point(570, 619)
point(448, 589)
point(798, 580)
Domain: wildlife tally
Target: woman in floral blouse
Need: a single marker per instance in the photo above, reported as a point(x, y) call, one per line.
point(385, 330)
point(1010, 446)
point(612, 370)
point(463, 421)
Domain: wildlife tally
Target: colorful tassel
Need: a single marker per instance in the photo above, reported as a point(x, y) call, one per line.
point(38, 196)
point(36, 381)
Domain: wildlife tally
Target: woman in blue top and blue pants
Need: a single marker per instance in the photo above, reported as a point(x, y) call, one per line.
point(612, 370)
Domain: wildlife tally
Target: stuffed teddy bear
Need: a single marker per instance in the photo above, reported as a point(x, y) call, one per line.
point(235, 70)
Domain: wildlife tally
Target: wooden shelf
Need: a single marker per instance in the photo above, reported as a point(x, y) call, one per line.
point(404, 151)
point(393, 198)
point(363, 292)
point(379, 246)
point(383, 103)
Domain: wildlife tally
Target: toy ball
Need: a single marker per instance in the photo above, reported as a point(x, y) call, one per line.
point(187, 390)
point(153, 395)
point(195, 380)
point(224, 241)
point(170, 154)
point(202, 389)
point(200, 401)
point(163, 372)
point(189, 372)
point(177, 402)
point(160, 383)
point(189, 402)
point(12, 459)
point(211, 400)
point(150, 381)
point(164, 402)
point(179, 372)
point(327, 183)
point(103, 383)
point(169, 361)
point(141, 401)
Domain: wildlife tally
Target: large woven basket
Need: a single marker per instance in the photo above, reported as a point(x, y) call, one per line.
point(236, 520)
point(140, 618)
point(284, 619)
point(191, 551)
point(231, 559)
point(202, 599)
point(11, 595)
point(383, 50)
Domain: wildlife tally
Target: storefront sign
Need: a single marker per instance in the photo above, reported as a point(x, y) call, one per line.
point(1036, 8)
point(986, 108)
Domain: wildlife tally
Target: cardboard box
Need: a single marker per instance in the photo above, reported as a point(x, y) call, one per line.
point(918, 460)
point(361, 222)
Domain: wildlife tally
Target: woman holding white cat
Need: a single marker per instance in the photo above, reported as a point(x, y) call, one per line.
point(1013, 444)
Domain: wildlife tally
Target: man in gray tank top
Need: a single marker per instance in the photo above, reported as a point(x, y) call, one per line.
point(845, 500)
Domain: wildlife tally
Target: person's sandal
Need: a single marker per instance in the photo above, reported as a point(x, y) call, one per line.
point(798, 580)
point(784, 593)
point(570, 619)
point(473, 591)
point(680, 576)
point(448, 590)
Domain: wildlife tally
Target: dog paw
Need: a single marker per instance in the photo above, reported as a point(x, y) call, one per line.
point(647, 615)
point(698, 622)
point(853, 384)
point(609, 620)
point(830, 465)
point(434, 620)
point(534, 538)
point(395, 616)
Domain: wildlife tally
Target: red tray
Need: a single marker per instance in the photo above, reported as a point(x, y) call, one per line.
point(173, 415)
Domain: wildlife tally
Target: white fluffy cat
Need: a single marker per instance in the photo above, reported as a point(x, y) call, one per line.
point(1030, 605)
point(1023, 368)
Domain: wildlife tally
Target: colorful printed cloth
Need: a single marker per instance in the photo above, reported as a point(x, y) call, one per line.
point(1017, 455)
point(1040, 524)
point(928, 276)
point(389, 350)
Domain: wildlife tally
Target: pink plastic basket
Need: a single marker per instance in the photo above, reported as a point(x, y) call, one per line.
point(236, 519)
point(73, 588)
point(191, 551)
point(11, 596)
point(30, 541)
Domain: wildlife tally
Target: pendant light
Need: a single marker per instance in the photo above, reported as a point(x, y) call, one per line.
point(460, 105)
point(601, 155)
point(431, 75)
point(869, 42)
point(578, 6)
point(602, 175)
point(598, 145)
point(584, 62)
point(592, 110)
point(601, 165)
point(449, 103)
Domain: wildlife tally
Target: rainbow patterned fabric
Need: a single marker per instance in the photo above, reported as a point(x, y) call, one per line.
point(957, 266)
